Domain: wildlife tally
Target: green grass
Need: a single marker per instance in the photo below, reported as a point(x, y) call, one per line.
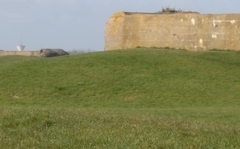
point(142, 98)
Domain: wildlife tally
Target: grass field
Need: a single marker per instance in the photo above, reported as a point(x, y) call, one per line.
point(141, 98)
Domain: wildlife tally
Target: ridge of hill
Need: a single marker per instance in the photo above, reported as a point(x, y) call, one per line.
point(134, 78)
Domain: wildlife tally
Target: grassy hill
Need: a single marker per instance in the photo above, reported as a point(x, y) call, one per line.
point(142, 98)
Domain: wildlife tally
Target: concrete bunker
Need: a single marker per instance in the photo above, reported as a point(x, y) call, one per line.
point(47, 52)
point(182, 30)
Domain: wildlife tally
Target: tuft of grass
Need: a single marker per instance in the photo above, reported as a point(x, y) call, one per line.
point(170, 10)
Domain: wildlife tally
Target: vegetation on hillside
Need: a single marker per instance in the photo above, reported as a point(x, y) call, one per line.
point(141, 98)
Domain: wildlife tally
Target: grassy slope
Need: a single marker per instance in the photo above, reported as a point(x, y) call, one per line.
point(137, 98)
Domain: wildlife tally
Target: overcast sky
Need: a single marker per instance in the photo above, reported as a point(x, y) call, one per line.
point(79, 24)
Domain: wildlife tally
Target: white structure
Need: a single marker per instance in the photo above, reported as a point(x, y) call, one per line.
point(20, 47)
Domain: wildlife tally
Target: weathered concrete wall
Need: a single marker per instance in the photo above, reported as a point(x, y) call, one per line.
point(191, 31)
point(20, 53)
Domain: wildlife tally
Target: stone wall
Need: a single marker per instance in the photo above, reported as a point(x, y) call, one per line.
point(20, 53)
point(191, 31)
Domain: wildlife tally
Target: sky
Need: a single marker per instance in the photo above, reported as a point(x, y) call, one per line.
point(79, 24)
